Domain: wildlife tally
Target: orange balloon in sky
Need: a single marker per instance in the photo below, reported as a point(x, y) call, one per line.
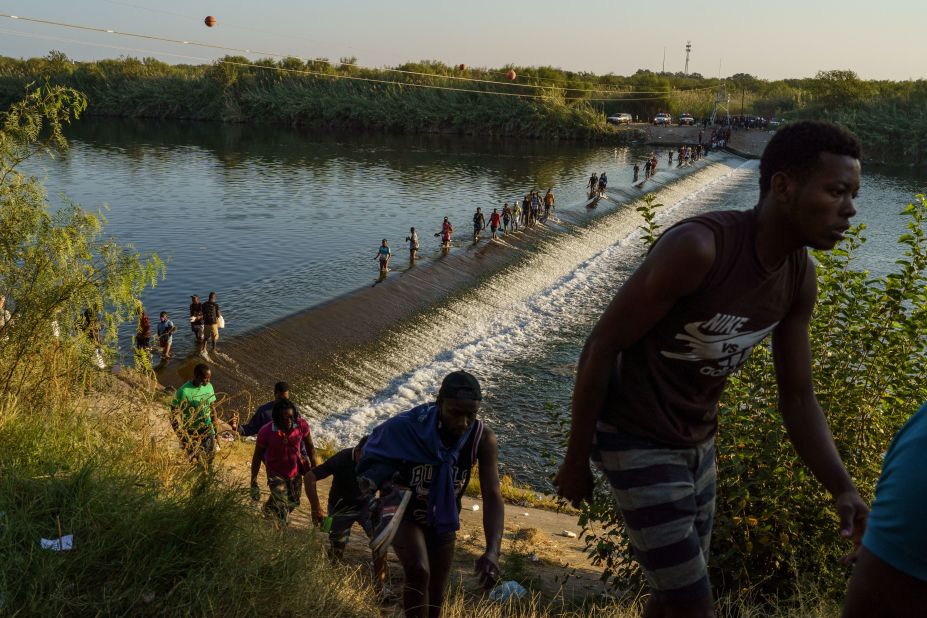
point(210, 21)
point(511, 74)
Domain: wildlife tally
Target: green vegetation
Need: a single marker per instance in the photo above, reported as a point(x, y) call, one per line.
point(891, 117)
point(775, 529)
point(81, 453)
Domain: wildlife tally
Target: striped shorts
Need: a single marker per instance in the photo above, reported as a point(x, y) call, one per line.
point(667, 499)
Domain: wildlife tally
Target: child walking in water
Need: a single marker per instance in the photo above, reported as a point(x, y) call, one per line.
point(383, 254)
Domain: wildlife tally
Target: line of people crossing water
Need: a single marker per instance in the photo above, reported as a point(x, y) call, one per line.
point(533, 208)
point(521, 214)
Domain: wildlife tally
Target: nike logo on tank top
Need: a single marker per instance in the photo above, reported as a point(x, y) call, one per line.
point(666, 387)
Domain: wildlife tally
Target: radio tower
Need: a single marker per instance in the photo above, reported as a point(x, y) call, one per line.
point(688, 49)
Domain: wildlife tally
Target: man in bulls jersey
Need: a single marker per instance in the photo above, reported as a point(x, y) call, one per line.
point(430, 451)
point(653, 368)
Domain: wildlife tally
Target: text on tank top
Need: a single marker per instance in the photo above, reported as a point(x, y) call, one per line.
point(418, 477)
point(666, 386)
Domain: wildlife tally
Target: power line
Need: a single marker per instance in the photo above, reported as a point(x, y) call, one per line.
point(278, 55)
point(225, 24)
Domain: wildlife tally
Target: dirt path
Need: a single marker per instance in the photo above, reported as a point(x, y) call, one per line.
point(534, 550)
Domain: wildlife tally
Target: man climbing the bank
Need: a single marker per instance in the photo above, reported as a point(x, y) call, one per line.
point(653, 369)
point(345, 507)
point(423, 458)
point(191, 416)
point(280, 446)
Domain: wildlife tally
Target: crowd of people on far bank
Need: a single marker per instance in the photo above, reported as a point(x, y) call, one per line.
point(644, 412)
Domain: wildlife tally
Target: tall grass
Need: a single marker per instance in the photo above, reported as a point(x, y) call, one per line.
point(153, 535)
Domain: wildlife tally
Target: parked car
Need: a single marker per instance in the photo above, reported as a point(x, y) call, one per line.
point(686, 119)
point(619, 119)
point(663, 118)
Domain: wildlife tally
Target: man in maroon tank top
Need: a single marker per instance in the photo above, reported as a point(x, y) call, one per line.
point(653, 368)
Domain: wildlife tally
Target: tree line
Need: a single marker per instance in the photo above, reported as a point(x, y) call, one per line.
point(431, 96)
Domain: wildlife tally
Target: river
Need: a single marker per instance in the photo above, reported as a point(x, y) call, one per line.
point(283, 224)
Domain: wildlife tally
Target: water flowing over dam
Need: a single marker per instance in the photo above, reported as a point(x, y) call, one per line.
point(363, 357)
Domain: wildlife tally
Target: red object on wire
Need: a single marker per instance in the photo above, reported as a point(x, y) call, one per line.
point(511, 74)
point(210, 21)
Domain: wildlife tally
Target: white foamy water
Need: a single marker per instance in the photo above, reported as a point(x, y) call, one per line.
point(512, 316)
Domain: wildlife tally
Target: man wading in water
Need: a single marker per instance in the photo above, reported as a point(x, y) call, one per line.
point(653, 369)
point(429, 452)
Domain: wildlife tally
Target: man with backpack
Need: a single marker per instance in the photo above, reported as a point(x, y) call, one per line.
point(211, 318)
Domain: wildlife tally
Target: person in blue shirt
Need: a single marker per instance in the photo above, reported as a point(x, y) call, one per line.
point(890, 573)
point(264, 413)
point(383, 254)
point(166, 331)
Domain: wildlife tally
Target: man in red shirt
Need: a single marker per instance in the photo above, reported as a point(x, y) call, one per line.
point(279, 446)
point(494, 219)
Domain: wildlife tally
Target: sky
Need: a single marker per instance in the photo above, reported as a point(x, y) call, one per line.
point(772, 40)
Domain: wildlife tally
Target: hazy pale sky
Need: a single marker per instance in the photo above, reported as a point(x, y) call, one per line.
point(788, 38)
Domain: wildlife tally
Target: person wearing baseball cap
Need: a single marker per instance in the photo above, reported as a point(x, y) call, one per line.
point(421, 461)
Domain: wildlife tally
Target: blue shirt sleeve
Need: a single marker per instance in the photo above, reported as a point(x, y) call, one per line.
point(895, 531)
point(261, 417)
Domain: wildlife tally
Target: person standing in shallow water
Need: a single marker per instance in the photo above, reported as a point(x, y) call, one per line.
point(196, 318)
point(548, 203)
point(383, 255)
point(211, 315)
point(447, 230)
point(654, 367)
point(479, 224)
point(506, 218)
point(494, 219)
point(412, 239)
point(166, 331)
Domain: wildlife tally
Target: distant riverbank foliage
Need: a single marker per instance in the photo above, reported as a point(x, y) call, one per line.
point(775, 527)
point(891, 117)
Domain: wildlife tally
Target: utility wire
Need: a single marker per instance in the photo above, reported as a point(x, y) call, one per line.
point(326, 75)
point(278, 55)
